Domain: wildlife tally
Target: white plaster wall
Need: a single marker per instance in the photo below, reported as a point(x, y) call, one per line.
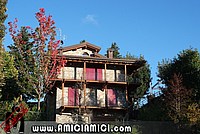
point(78, 52)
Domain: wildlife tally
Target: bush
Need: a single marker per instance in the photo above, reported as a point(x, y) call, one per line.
point(35, 116)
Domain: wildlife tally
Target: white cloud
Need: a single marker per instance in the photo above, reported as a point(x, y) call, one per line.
point(90, 19)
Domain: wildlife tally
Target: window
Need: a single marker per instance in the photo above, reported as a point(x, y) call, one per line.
point(85, 54)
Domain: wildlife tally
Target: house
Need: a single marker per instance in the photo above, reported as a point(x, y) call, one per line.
point(91, 83)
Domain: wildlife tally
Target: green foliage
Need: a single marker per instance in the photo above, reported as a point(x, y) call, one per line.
point(187, 63)
point(33, 114)
point(141, 76)
point(154, 110)
point(6, 106)
point(3, 16)
point(9, 69)
point(25, 63)
point(193, 113)
point(35, 53)
point(136, 129)
point(130, 56)
point(10, 89)
point(82, 41)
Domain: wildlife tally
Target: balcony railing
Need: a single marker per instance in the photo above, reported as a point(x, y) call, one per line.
point(93, 74)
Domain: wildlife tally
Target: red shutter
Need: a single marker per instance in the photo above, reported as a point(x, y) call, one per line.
point(90, 73)
point(72, 95)
point(99, 74)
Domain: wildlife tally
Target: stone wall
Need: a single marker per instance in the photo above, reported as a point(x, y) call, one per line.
point(110, 75)
point(72, 118)
point(65, 118)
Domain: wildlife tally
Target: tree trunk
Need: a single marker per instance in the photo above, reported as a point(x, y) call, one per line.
point(38, 107)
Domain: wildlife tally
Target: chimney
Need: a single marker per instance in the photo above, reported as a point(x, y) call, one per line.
point(110, 53)
point(60, 50)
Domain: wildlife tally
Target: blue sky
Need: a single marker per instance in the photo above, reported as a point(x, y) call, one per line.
point(157, 29)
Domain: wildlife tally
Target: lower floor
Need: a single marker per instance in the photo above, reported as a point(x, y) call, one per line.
point(98, 101)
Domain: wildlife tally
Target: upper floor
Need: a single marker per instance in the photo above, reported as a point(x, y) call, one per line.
point(85, 63)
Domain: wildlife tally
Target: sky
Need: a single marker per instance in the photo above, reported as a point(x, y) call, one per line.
point(156, 29)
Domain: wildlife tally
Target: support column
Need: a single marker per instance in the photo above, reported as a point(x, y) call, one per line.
point(105, 87)
point(63, 85)
point(125, 79)
point(126, 91)
point(84, 84)
point(84, 71)
point(63, 95)
point(125, 73)
point(84, 88)
point(106, 96)
point(105, 68)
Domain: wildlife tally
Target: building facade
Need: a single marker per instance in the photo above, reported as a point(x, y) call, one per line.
point(92, 84)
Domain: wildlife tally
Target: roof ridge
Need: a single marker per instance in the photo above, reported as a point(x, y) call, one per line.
point(76, 46)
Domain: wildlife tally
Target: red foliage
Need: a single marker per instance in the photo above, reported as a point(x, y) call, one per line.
point(44, 38)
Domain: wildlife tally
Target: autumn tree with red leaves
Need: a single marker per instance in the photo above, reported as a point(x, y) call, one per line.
point(36, 55)
point(177, 99)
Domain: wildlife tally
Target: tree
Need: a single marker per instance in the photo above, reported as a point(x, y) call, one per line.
point(10, 88)
point(187, 63)
point(3, 16)
point(130, 56)
point(116, 53)
point(177, 98)
point(24, 57)
point(142, 75)
point(36, 53)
